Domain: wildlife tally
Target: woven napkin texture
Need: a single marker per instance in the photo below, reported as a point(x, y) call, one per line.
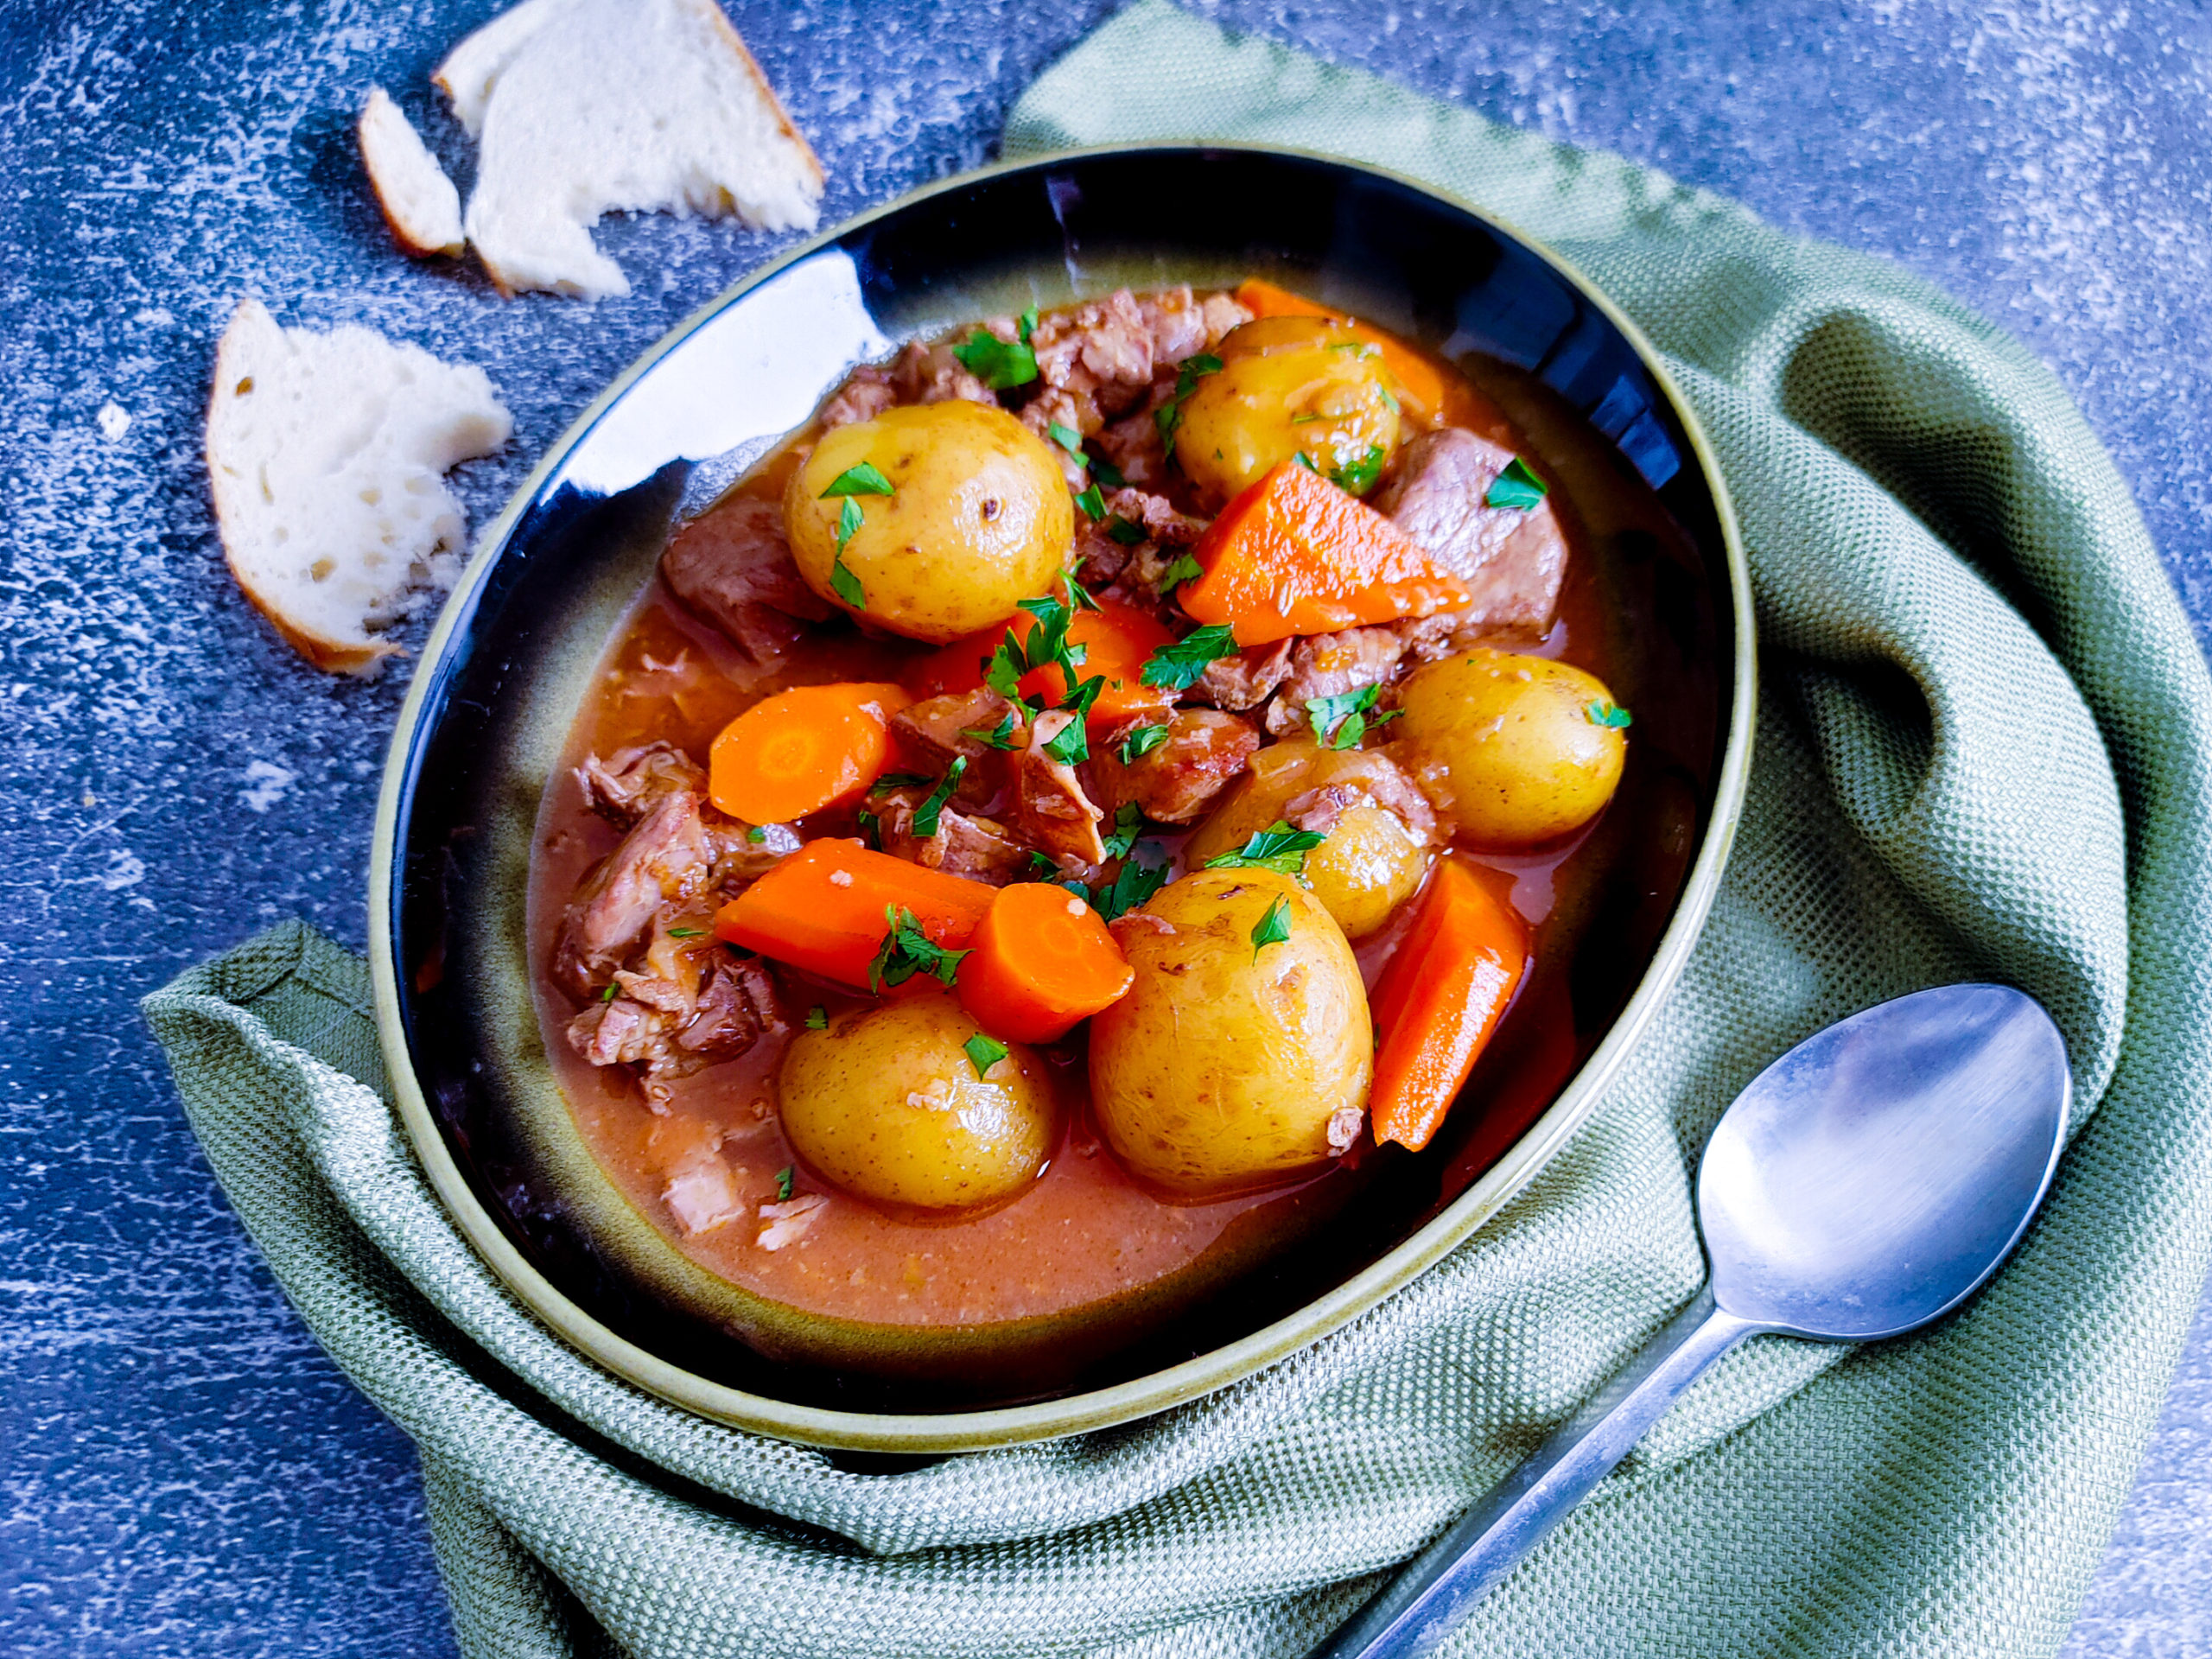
point(1982, 752)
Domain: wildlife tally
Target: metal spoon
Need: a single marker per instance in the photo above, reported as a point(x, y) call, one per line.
point(1867, 1182)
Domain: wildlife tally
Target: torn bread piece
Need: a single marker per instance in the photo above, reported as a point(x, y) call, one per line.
point(585, 107)
point(418, 199)
point(326, 453)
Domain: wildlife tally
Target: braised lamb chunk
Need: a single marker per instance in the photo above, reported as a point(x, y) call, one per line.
point(623, 786)
point(1133, 570)
point(1104, 355)
point(670, 1031)
point(732, 567)
point(1369, 775)
point(1246, 680)
point(1330, 664)
point(936, 731)
point(919, 374)
point(980, 849)
point(1051, 811)
point(1511, 560)
point(1204, 752)
point(666, 858)
point(1133, 445)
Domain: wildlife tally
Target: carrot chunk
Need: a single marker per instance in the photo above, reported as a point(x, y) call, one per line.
point(1420, 385)
point(823, 909)
point(1439, 1000)
point(1293, 554)
point(1116, 640)
point(801, 750)
point(1042, 960)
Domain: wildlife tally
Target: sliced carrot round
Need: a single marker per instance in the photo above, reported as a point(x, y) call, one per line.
point(803, 750)
point(1041, 960)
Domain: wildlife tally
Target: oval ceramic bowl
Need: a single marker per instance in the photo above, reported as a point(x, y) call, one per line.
point(515, 649)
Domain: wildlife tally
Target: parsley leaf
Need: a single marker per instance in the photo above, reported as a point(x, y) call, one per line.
point(1608, 714)
point(1389, 402)
point(784, 1178)
point(1516, 486)
point(1341, 719)
point(845, 584)
point(1177, 667)
point(1067, 438)
point(1003, 669)
point(872, 830)
point(1356, 476)
point(1070, 745)
point(1000, 736)
point(1080, 701)
point(756, 835)
point(1042, 864)
point(984, 1053)
point(1141, 741)
point(610, 993)
point(1271, 929)
point(849, 519)
point(817, 1018)
point(1078, 890)
point(1092, 501)
point(906, 951)
point(1127, 534)
point(1077, 594)
point(1135, 883)
point(1169, 414)
point(997, 363)
point(1305, 461)
point(1186, 569)
point(1028, 324)
point(863, 480)
point(685, 933)
point(926, 815)
point(1277, 848)
point(1106, 472)
point(1129, 822)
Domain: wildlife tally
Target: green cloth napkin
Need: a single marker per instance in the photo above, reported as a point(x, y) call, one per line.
point(1982, 752)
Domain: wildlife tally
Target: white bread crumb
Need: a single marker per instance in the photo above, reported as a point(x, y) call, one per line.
point(418, 199)
point(326, 453)
point(585, 107)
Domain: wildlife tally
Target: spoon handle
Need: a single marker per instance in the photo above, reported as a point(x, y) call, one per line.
point(1436, 1590)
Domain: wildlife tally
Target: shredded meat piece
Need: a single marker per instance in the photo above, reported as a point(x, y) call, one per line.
point(623, 786)
point(1511, 561)
point(866, 394)
point(655, 1024)
point(1246, 680)
point(786, 1222)
point(933, 733)
point(1205, 751)
point(919, 374)
point(666, 859)
point(1329, 664)
point(1051, 811)
point(701, 1193)
point(1364, 776)
point(732, 567)
point(980, 849)
point(1345, 1125)
point(1133, 443)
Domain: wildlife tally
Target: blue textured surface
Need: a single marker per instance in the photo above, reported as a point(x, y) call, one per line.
point(181, 1470)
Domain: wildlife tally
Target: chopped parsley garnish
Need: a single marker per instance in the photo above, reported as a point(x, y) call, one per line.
point(1277, 848)
point(1169, 414)
point(756, 835)
point(892, 780)
point(685, 933)
point(1079, 702)
point(872, 830)
point(863, 480)
point(1093, 502)
point(845, 584)
point(1067, 438)
point(1106, 472)
point(1608, 714)
point(1078, 597)
point(1516, 486)
point(1135, 883)
point(1027, 323)
point(610, 993)
point(1272, 928)
point(907, 950)
point(785, 1177)
point(1186, 569)
point(1127, 534)
point(1389, 402)
point(1130, 824)
point(997, 363)
point(1070, 745)
point(1042, 864)
point(1305, 461)
point(817, 1018)
point(984, 1053)
point(1341, 721)
point(1177, 667)
point(926, 815)
point(1078, 889)
point(1000, 736)
point(1142, 741)
point(1355, 477)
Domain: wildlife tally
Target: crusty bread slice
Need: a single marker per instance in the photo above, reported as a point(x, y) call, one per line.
point(418, 199)
point(585, 107)
point(326, 453)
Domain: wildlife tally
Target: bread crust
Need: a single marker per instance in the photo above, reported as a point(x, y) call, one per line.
point(377, 163)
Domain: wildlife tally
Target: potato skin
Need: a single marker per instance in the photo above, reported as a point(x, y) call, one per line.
point(979, 518)
point(1504, 745)
point(1369, 866)
point(1277, 375)
point(1219, 1070)
point(854, 1106)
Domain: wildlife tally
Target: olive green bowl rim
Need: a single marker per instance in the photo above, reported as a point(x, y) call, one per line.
point(965, 1431)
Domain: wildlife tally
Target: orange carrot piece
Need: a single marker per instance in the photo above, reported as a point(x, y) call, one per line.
point(1420, 385)
point(801, 750)
point(1042, 960)
point(1439, 1000)
point(1293, 554)
point(823, 909)
point(1117, 640)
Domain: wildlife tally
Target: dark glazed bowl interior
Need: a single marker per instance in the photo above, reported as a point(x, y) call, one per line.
point(512, 660)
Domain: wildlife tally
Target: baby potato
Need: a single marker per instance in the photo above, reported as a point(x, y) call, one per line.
point(885, 1104)
point(1513, 748)
point(1370, 864)
point(978, 518)
point(1287, 385)
point(1227, 1063)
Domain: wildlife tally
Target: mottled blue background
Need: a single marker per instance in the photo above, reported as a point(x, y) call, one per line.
point(181, 1470)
